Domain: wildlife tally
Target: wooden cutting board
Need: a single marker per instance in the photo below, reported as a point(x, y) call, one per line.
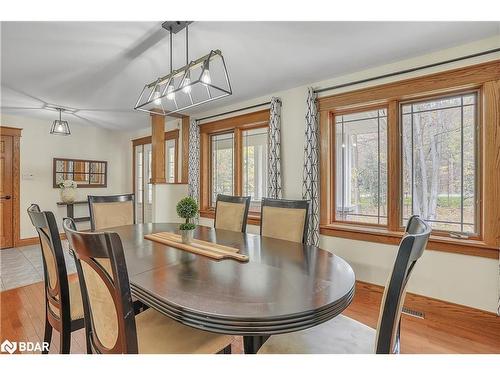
point(208, 249)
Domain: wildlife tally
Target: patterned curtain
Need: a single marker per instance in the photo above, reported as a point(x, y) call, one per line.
point(194, 161)
point(310, 185)
point(274, 150)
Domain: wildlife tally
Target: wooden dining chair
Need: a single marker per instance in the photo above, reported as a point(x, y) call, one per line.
point(231, 213)
point(284, 219)
point(108, 211)
point(343, 335)
point(63, 301)
point(111, 326)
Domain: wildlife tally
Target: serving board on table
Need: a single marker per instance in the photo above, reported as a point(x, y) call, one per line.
point(205, 248)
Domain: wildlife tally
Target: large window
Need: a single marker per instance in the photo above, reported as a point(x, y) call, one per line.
point(233, 160)
point(427, 146)
point(361, 167)
point(255, 165)
point(222, 165)
point(439, 162)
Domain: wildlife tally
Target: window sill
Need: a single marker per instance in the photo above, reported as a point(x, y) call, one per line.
point(253, 217)
point(437, 243)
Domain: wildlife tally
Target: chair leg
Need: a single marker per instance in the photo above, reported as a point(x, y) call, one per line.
point(226, 350)
point(87, 342)
point(65, 341)
point(47, 336)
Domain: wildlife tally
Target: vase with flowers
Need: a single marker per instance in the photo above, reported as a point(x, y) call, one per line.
point(68, 190)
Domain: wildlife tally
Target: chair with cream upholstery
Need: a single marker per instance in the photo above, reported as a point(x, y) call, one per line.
point(284, 219)
point(111, 211)
point(63, 301)
point(111, 326)
point(343, 335)
point(231, 213)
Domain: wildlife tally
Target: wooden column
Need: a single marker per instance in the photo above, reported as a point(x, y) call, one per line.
point(158, 149)
point(185, 149)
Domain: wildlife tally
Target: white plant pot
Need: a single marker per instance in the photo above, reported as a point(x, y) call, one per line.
point(187, 236)
point(68, 195)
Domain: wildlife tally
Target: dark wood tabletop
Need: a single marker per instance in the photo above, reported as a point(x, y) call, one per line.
point(284, 287)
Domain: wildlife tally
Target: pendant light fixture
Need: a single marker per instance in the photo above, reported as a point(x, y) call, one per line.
point(60, 127)
point(199, 81)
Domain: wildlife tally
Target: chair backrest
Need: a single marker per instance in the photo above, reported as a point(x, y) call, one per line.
point(54, 266)
point(231, 213)
point(284, 219)
point(411, 247)
point(106, 296)
point(108, 211)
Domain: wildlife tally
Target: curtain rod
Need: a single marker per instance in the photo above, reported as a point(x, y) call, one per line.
point(407, 71)
point(233, 111)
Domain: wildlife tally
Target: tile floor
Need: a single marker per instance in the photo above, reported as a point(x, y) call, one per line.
point(22, 266)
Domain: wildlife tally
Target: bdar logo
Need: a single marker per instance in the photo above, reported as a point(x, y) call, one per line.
point(9, 347)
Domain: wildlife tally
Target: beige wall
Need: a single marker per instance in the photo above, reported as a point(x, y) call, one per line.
point(38, 148)
point(466, 280)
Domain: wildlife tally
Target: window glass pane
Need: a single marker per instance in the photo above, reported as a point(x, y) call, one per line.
point(255, 165)
point(147, 186)
point(361, 167)
point(170, 160)
point(439, 162)
point(138, 183)
point(222, 165)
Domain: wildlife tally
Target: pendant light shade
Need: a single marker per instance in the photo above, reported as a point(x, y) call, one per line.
point(187, 87)
point(60, 127)
point(199, 81)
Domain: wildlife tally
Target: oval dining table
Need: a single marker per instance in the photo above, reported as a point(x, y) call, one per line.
point(284, 287)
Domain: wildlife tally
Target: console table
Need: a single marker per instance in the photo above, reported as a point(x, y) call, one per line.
point(70, 210)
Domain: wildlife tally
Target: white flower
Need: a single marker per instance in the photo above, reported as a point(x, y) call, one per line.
point(68, 184)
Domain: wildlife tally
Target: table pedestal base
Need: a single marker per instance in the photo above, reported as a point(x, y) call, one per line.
point(252, 344)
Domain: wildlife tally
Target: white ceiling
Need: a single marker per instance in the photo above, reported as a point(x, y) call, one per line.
point(99, 68)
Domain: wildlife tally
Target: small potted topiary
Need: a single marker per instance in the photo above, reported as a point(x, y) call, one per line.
point(187, 208)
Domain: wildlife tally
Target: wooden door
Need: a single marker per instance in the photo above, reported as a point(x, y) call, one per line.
point(6, 191)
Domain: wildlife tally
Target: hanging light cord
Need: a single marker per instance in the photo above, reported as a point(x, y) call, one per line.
point(170, 49)
point(60, 111)
point(187, 44)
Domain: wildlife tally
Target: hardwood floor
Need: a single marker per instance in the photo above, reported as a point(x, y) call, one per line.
point(22, 317)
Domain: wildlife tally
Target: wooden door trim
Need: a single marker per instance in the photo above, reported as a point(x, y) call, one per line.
point(15, 133)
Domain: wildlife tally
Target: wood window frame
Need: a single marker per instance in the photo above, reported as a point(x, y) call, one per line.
point(334, 114)
point(485, 78)
point(235, 125)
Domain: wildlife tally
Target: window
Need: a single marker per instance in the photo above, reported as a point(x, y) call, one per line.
point(222, 165)
point(439, 162)
point(233, 160)
point(255, 165)
point(361, 167)
point(171, 158)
